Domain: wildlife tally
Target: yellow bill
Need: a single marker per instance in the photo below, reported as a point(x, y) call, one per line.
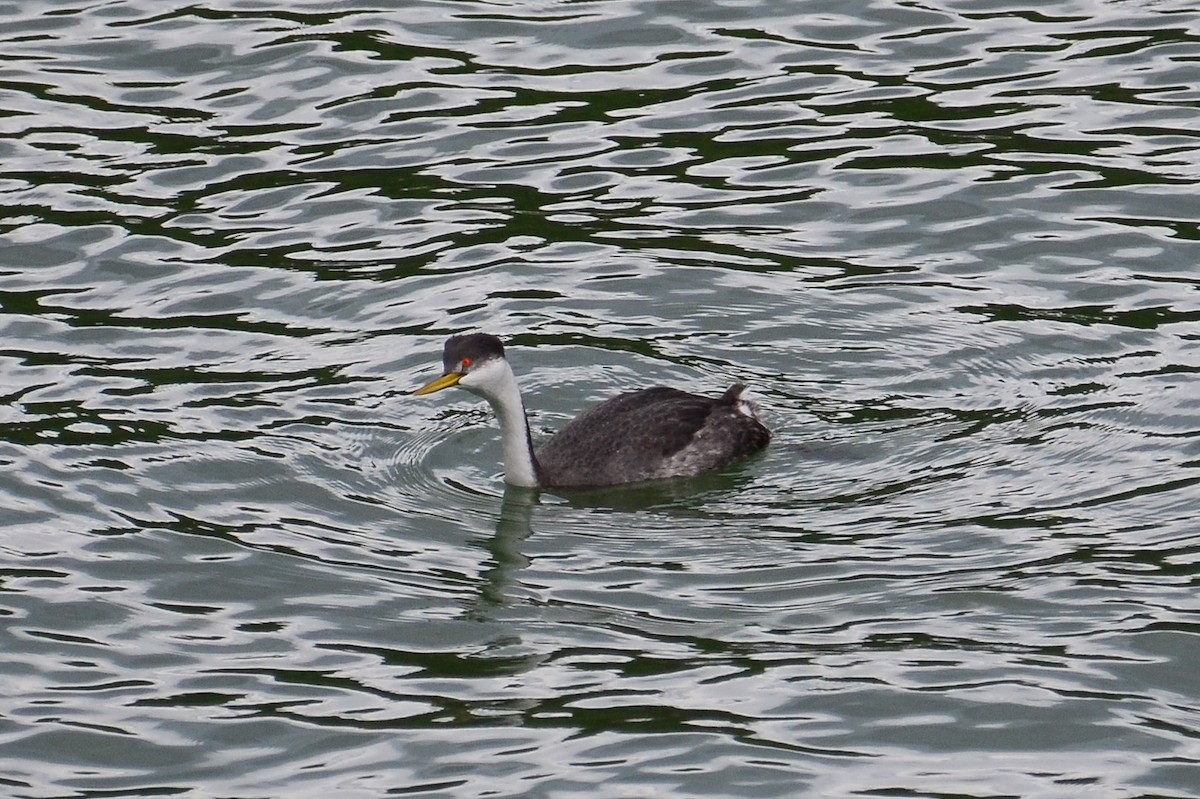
point(445, 381)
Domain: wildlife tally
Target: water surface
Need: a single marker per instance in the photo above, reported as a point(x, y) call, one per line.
point(952, 247)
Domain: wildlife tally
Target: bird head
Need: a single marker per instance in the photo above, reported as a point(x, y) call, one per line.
point(474, 362)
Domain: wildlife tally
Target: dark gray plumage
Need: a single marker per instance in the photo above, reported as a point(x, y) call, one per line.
point(650, 434)
point(473, 347)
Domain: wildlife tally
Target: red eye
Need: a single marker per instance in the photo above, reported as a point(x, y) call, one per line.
point(466, 363)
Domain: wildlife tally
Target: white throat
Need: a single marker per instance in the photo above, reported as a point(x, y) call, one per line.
point(495, 382)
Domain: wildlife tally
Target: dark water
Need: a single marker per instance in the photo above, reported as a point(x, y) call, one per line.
point(953, 247)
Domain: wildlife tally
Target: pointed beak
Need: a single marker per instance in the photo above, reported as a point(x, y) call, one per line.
point(445, 381)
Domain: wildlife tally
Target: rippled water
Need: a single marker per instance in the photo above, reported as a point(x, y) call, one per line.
point(953, 247)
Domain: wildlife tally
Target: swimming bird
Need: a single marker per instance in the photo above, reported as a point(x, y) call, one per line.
point(642, 435)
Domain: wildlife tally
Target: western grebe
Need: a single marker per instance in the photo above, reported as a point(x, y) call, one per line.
point(643, 435)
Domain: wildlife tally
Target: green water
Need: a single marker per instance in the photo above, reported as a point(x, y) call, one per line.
point(952, 247)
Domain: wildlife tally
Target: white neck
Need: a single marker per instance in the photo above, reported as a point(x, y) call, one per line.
point(496, 383)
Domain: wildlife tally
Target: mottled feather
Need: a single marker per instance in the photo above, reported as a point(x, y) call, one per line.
point(649, 434)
